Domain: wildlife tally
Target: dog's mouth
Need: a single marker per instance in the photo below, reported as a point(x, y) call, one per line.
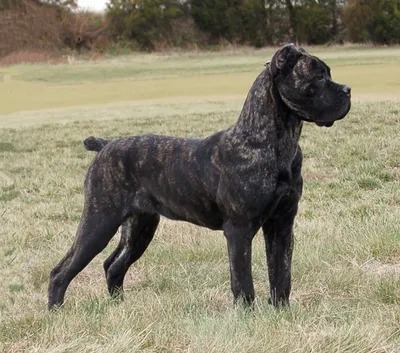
point(324, 123)
point(329, 122)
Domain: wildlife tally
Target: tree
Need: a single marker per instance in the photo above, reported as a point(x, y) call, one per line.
point(10, 4)
point(61, 3)
point(242, 21)
point(384, 24)
point(143, 21)
point(375, 20)
point(254, 21)
point(213, 17)
point(313, 22)
point(292, 20)
point(356, 17)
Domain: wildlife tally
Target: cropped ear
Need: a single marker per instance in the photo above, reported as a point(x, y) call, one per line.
point(284, 59)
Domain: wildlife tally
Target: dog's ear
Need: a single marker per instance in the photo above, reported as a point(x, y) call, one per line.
point(284, 59)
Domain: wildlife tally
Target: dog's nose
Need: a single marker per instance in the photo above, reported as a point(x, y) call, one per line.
point(347, 90)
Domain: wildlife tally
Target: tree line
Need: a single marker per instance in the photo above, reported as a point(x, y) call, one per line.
point(158, 24)
point(253, 22)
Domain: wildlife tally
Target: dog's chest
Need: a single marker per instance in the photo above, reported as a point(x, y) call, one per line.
point(285, 154)
point(287, 144)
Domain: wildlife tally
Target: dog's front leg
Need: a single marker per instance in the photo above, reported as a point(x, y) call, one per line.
point(278, 236)
point(239, 241)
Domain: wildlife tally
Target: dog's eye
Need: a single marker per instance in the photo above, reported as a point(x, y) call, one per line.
point(321, 77)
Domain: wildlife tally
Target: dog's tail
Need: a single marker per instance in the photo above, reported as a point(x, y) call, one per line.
point(95, 143)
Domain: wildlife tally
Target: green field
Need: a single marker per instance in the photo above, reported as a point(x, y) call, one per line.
point(346, 270)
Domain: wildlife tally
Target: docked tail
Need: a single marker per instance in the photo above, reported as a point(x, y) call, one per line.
point(95, 143)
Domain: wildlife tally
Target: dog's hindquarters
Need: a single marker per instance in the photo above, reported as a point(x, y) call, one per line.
point(136, 234)
point(94, 232)
point(102, 215)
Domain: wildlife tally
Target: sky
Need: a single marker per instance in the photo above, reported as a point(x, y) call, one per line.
point(97, 5)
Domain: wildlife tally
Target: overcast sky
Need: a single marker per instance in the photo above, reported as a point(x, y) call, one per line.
point(97, 5)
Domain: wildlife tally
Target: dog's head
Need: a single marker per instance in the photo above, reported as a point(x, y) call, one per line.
point(305, 85)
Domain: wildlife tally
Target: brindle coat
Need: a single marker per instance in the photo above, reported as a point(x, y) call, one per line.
point(237, 180)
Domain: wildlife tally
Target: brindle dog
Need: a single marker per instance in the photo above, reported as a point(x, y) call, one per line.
point(236, 180)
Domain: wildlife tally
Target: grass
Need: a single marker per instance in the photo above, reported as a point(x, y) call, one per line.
point(179, 77)
point(346, 271)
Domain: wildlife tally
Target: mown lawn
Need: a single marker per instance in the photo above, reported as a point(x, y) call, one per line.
point(346, 271)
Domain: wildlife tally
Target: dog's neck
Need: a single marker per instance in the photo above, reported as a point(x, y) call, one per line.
point(264, 113)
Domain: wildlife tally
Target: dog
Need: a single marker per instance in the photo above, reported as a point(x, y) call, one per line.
point(238, 180)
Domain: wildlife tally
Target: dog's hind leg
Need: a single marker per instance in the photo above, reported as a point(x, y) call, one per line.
point(94, 232)
point(137, 232)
